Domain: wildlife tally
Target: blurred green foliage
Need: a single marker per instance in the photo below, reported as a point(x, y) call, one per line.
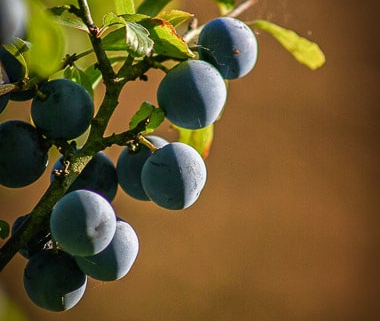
point(10, 310)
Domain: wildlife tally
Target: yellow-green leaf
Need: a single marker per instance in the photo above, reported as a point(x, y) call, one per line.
point(137, 40)
point(145, 34)
point(47, 41)
point(225, 6)
point(152, 7)
point(201, 139)
point(133, 38)
point(175, 17)
point(19, 49)
point(166, 40)
point(71, 23)
point(304, 50)
point(147, 112)
point(111, 18)
point(124, 6)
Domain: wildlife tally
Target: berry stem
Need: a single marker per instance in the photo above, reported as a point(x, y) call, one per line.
point(41, 95)
point(147, 143)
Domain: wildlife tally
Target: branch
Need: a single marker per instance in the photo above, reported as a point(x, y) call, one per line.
point(104, 63)
point(39, 216)
point(131, 135)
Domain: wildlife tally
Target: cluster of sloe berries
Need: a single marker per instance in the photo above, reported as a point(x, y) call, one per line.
point(92, 241)
point(85, 237)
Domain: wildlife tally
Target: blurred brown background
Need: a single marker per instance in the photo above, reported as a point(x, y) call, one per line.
point(287, 226)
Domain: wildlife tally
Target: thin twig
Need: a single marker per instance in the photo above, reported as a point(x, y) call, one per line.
point(244, 6)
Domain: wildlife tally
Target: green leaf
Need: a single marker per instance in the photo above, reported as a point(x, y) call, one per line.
point(225, 6)
point(147, 111)
point(115, 40)
point(79, 76)
point(137, 40)
point(201, 139)
point(134, 38)
point(152, 7)
point(305, 51)
point(70, 22)
point(146, 34)
point(19, 49)
point(93, 75)
point(59, 10)
point(166, 40)
point(124, 6)
point(4, 229)
point(57, 13)
point(175, 17)
point(48, 42)
point(112, 19)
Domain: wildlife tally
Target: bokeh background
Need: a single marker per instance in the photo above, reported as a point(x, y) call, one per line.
point(287, 226)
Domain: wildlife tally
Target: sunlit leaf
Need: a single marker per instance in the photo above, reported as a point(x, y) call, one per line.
point(71, 23)
point(147, 111)
point(110, 19)
point(146, 34)
point(67, 21)
point(200, 139)
point(115, 40)
point(152, 7)
point(137, 39)
point(47, 41)
point(304, 50)
point(166, 40)
point(124, 6)
point(175, 17)
point(59, 10)
point(18, 48)
point(225, 6)
point(4, 229)
point(133, 37)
